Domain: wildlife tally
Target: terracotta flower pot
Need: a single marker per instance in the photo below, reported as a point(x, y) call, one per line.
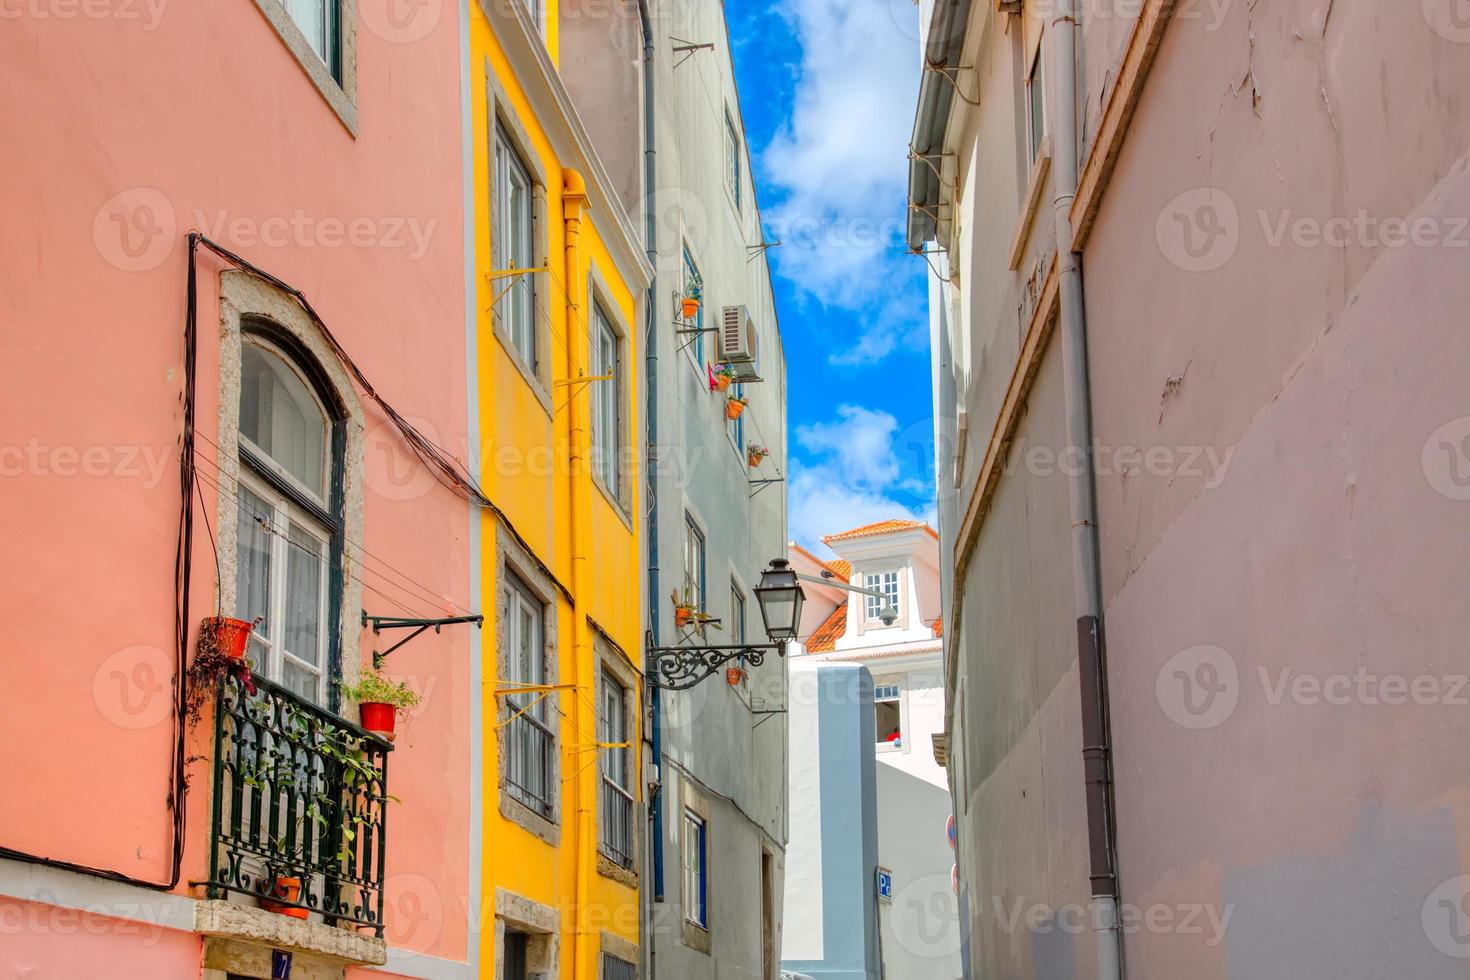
point(231, 636)
point(288, 889)
point(733, 676)
point(733, 409)
point(378, 718)
point(722, 382)
point(689, 307)
point(754, 460)
point(682, 616)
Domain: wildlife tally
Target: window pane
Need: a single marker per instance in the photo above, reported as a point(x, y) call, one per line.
point(253, 577)
point(281, 417)
point(304, 596)
point(301, 681)
point(311, 17)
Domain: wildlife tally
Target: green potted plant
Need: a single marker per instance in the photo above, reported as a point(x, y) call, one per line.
point(684, 609)
point(379, 700)
point(754, 453)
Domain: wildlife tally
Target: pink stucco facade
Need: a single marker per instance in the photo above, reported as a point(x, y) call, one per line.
point(128, 126)
point(1273, 286)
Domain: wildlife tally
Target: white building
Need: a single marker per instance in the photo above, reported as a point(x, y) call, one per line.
point(897, 637)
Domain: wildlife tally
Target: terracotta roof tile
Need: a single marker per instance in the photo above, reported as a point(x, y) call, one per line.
point(824, 638)
point(841, 569)
point(881, 527)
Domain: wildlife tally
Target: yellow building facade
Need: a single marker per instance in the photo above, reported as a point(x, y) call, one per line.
point(560, 277)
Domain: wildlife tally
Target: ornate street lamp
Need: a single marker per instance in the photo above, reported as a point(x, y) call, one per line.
point(780, 597)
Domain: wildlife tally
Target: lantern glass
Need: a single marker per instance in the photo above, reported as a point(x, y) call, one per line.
point(780, 597)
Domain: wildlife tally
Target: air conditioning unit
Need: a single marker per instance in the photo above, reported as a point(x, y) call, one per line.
point(737, 336)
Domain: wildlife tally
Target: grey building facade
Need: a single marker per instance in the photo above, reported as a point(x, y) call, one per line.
point(717, 825)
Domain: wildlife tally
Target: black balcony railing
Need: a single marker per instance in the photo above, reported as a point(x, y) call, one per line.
point(299, 793)
point(528, 767)
point(617, 823)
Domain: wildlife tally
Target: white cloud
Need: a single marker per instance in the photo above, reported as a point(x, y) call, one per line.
point(852, 474)
point(839, 164)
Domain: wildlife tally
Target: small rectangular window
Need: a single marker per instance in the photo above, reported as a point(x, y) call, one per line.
point(606, 417)
point(694, 563)
point(617, 797)
point(885, 582)
point(732, 158)
point(513, 247)
point(616, 969)
point(696, 869)
point(1036, 105)
point(694, 286)
point(528, 739)
point(888, 714)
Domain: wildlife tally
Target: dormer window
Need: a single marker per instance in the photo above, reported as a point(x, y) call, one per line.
point(886, 583)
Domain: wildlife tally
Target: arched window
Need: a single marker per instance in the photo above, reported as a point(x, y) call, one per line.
point(289, 543)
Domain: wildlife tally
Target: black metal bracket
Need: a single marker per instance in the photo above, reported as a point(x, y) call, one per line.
point(762, 484)
point(381, 623)
point(680, 668)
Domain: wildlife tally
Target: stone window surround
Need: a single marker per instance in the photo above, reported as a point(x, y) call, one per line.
point(608, 656)
point(599, 293)
point(861, 570)
point(619, 948)
point(341, 97)
point(541, 922)
point(512, 560)
point(244, 297)
point(500, 115)
point(693, 799)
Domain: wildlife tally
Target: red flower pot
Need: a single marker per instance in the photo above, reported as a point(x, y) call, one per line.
point(378, 717)
point(733, 676)
point(683, 617)
point(287, 889)
point(231, 636)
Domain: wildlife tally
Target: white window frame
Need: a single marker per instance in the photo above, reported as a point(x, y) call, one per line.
point(529, 705)
point(873, 605)
point(271, 655)
point(695, 863)
point(607, 420)
point(696, 562)
point(734, 172)
point(694, 343)
point(1035, 91)
point(890, 692)
point(513, 246)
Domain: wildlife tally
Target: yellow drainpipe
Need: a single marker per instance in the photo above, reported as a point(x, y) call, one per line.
point(584, 725)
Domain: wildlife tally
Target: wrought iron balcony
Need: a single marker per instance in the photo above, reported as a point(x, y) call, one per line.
point(299, 793)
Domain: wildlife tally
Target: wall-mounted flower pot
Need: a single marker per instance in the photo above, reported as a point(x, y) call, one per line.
point(288, 889)
point(689, 306)
point(683, 617)
point(722, 382)
point(231, 637)
point(733, 409)
point(734, 675)
point(378, 718)
point(754, 459)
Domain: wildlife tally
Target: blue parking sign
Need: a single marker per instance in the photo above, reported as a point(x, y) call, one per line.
point(885, 884)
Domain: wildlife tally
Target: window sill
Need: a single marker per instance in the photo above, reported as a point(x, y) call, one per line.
point(610, 869)
point(696, 936)
point(1032, 204)
point(890, 748)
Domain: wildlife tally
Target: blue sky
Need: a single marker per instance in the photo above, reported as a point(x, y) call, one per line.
point(828, 89)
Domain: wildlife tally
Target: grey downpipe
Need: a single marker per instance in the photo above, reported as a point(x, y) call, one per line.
point(650, 342)
point(1087, 584)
